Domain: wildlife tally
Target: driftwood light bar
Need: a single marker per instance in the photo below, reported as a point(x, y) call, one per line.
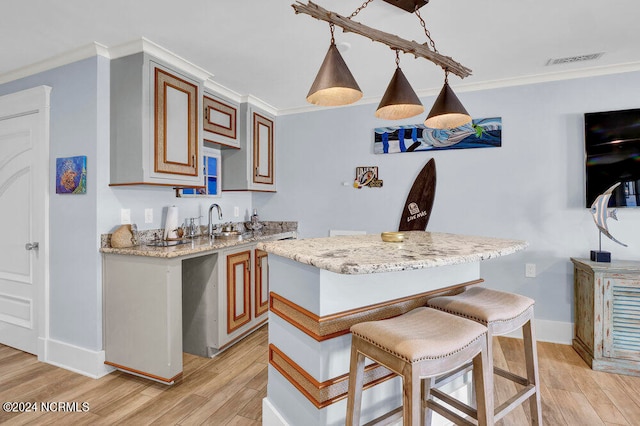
point(391, 40)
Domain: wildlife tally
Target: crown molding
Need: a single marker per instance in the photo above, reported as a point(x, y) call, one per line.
point(222, 90)
point(147, 46)
point(260, 104)
point(75, 55)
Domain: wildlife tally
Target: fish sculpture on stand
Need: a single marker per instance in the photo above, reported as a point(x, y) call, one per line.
point(600, 214)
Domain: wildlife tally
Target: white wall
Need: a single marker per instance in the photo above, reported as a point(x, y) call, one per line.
point(531, 188)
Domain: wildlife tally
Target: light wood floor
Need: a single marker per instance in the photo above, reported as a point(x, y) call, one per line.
point(228, 390)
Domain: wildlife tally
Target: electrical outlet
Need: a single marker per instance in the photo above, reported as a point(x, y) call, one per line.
point(236, 211)
point(148, 215)
point(530, 270)
point(125, 216)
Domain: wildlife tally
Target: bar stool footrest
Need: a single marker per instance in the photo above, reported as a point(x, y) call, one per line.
point(386, 419)
point(448, 414)
point(510, 376)
point(514, 402)
point(458, 405)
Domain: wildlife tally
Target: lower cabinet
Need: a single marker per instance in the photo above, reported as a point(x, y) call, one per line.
point(607, 315)
point(245, 294)
point(155, 308)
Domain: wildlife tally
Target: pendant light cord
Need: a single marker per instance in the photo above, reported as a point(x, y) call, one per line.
point(332, 28)
point(355, 12)
point(426, 31)
point(397, 58)
point(432, 43)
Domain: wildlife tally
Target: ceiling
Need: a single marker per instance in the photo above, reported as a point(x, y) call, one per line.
point(262, 48)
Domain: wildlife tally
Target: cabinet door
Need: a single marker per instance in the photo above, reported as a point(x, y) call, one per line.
point(176, 125)
point(261, 282)
point(263, 163)
point(220, 122)
point(622, 318)
point(238, 290)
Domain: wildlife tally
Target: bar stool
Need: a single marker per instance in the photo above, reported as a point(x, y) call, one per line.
point(502, 313)
point(423, 343)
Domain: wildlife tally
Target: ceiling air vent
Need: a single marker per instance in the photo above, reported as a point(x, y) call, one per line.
point(577, 58)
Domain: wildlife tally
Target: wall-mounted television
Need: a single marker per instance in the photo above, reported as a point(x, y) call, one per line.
point(612, 147)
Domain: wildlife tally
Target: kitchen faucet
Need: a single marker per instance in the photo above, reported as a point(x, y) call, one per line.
point(210, 221)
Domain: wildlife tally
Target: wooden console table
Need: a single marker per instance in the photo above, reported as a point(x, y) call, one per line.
point(607, 315)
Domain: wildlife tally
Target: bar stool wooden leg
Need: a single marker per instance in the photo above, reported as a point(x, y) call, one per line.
point(412, 402)
point(356, 381)
point(427, 413)
point(531, 360)
point(483, 387)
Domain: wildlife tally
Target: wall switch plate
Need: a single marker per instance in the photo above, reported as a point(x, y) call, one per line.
point(148, 215)
point(236, 211)
point(125, 216)
point(530, 270)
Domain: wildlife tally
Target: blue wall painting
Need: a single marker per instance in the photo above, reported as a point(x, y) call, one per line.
point(480, 133)
point(71, 175)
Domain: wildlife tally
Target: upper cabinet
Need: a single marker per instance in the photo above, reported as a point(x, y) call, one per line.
point(220, 121)
point(252, 167)
point(156, 125)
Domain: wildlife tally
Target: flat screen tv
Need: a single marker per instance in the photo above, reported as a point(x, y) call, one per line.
point(612, 147)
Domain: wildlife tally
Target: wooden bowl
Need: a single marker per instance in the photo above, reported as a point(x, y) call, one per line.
point(392, 237)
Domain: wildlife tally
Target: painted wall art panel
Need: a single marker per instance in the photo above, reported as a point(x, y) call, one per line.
point(71, 175)
point(480, 133)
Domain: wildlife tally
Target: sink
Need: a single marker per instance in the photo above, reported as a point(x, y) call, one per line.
point(228, 235)
point(163, 243)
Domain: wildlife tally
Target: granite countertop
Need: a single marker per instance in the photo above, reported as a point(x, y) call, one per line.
point(367, 254)
point(200, 245)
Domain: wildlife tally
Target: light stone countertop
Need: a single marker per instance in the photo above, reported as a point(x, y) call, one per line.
point(198, 245)
point(367, 254)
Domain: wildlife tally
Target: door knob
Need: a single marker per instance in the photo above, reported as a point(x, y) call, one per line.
point(31, 246)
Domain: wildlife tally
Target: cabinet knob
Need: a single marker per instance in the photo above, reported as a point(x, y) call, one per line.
point(31, 246)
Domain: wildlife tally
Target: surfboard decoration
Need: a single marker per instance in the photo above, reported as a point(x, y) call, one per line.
point(417, 208)
point(480, 133)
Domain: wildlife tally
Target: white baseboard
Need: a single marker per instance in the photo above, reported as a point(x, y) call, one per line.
point(74, 358)
point(271, 416)
point(550, 331)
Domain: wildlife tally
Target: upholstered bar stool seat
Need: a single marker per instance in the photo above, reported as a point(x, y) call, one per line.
point(502, 313)
point(423, 343)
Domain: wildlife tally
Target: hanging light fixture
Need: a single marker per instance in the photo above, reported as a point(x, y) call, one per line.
point(334, 85)
point(447, 111)
point(399, 100)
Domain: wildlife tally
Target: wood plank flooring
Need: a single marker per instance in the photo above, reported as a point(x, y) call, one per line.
point(228, 390)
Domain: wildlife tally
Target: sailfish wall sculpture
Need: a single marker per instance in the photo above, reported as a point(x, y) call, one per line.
point(601, 213)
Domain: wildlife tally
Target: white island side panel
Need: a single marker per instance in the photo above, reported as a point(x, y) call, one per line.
point(324, 292)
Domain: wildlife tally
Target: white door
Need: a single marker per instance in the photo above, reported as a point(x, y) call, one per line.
point(24, 123)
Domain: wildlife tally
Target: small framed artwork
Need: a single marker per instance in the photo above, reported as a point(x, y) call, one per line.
point(71, 175)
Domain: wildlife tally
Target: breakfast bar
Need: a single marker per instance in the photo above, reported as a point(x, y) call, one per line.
point(320, 287)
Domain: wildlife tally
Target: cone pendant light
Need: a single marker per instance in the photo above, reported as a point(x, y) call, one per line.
point(447, 111)
point(334, 85)
point(399, 100)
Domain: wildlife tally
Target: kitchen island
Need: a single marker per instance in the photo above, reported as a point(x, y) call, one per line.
point(199, 297)
point(320, 287)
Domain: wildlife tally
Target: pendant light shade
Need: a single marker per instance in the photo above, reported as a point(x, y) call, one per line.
point(447, 111)
point(399, 100)
point(334, 85)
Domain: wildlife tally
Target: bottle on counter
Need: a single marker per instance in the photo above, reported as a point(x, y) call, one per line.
point(255, 221)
